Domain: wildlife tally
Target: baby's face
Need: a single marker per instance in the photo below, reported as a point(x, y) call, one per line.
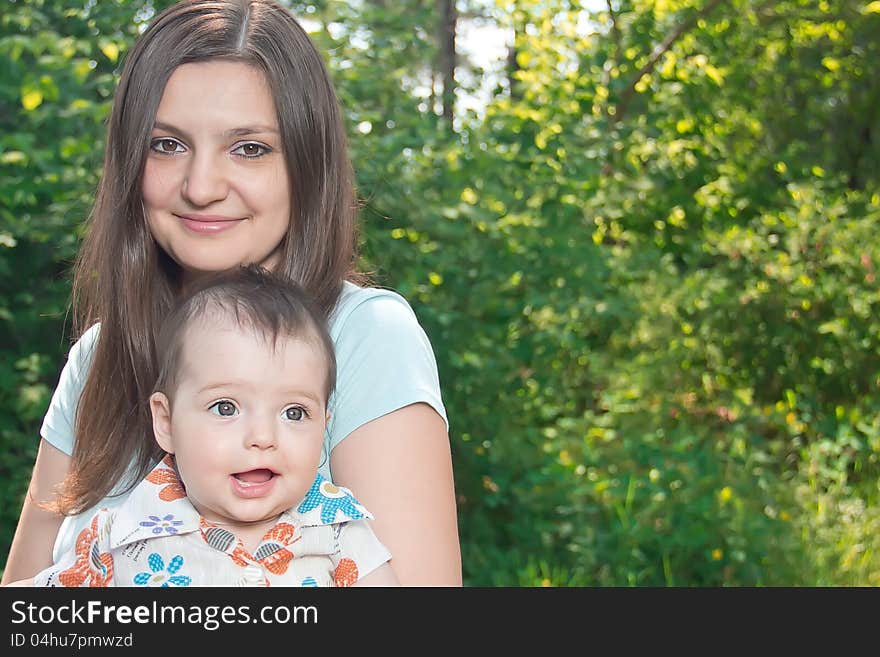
point(247, 420)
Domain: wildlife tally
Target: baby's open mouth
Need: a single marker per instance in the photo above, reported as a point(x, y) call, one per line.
point(254, 477)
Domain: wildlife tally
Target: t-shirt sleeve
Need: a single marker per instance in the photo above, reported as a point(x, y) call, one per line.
point(384, 362)
point(359, 553)
point(58, 422)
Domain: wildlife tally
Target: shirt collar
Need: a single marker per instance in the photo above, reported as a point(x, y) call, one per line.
point(327, 504)
point(158, 506)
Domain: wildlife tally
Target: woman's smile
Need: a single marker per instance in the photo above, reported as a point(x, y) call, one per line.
point(209, 224)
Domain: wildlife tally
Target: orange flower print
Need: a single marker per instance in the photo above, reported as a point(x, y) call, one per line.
point(346, 573)
point(173, 489)
point(92, 568)
point(272, 552)
point(278, 561)
point(240, 556)
point(281, 533)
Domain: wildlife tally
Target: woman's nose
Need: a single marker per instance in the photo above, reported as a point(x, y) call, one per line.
point(205, 181)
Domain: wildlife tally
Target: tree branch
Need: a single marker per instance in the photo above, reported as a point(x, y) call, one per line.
point(616, 37)
point(658, 52)
point(615, 30)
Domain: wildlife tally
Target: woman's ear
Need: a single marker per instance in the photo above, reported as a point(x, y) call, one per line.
point(160, 408)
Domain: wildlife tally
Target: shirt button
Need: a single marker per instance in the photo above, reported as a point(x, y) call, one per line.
point(253, 575)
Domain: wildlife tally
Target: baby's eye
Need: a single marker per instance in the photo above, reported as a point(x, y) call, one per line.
point(251, 149)
point(295, 413)
point(223, 408)
point(166, 145)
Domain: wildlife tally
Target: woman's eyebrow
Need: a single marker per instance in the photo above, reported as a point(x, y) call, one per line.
point(251, 130)
point(167, 127)
point(233, 132)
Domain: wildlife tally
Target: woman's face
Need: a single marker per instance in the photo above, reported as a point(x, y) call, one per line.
point(215, 190)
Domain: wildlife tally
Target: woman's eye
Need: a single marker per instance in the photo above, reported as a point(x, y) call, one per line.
point(251, 149)
point(167, 146)
point(294, 413)
point(223, 408)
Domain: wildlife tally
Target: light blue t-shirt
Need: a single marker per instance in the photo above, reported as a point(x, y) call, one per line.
point(384, 362)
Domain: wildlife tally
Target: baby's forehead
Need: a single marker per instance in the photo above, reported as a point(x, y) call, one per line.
point(221, 319)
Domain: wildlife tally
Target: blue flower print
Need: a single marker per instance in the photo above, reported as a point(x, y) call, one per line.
point(161, 576)
point(330, 499)
point(165, 524)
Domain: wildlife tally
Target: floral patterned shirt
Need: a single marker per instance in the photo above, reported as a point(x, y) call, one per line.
point(157, 538)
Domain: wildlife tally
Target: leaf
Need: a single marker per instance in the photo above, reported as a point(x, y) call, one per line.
point(12, 157)
point(32, 99)
point(831, 63)
point(111, 51)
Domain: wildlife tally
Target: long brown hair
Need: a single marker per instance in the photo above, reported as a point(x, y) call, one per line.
point(123, 280)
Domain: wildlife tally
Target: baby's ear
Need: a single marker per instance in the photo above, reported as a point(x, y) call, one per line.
point(160, 407)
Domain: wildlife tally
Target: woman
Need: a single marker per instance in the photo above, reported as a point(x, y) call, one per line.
point(225, 147)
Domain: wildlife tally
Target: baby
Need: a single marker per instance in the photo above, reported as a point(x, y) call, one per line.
point(240, 407)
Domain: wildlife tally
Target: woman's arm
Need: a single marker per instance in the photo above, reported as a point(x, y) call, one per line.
point(383, 576)
point(31, 549)
point(400, 465)
point(21, 582)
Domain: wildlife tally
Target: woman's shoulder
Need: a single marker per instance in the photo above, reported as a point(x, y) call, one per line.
point(84, 346)
point(58, 423)
point(384, 358)
point(79, 357)
point(366, 308)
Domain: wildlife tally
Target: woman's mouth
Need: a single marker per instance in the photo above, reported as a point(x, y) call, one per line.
point(208, 224)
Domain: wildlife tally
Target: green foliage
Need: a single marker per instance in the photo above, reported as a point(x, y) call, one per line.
point(648, 270)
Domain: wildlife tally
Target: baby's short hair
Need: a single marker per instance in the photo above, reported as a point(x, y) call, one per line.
point(256, 300)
